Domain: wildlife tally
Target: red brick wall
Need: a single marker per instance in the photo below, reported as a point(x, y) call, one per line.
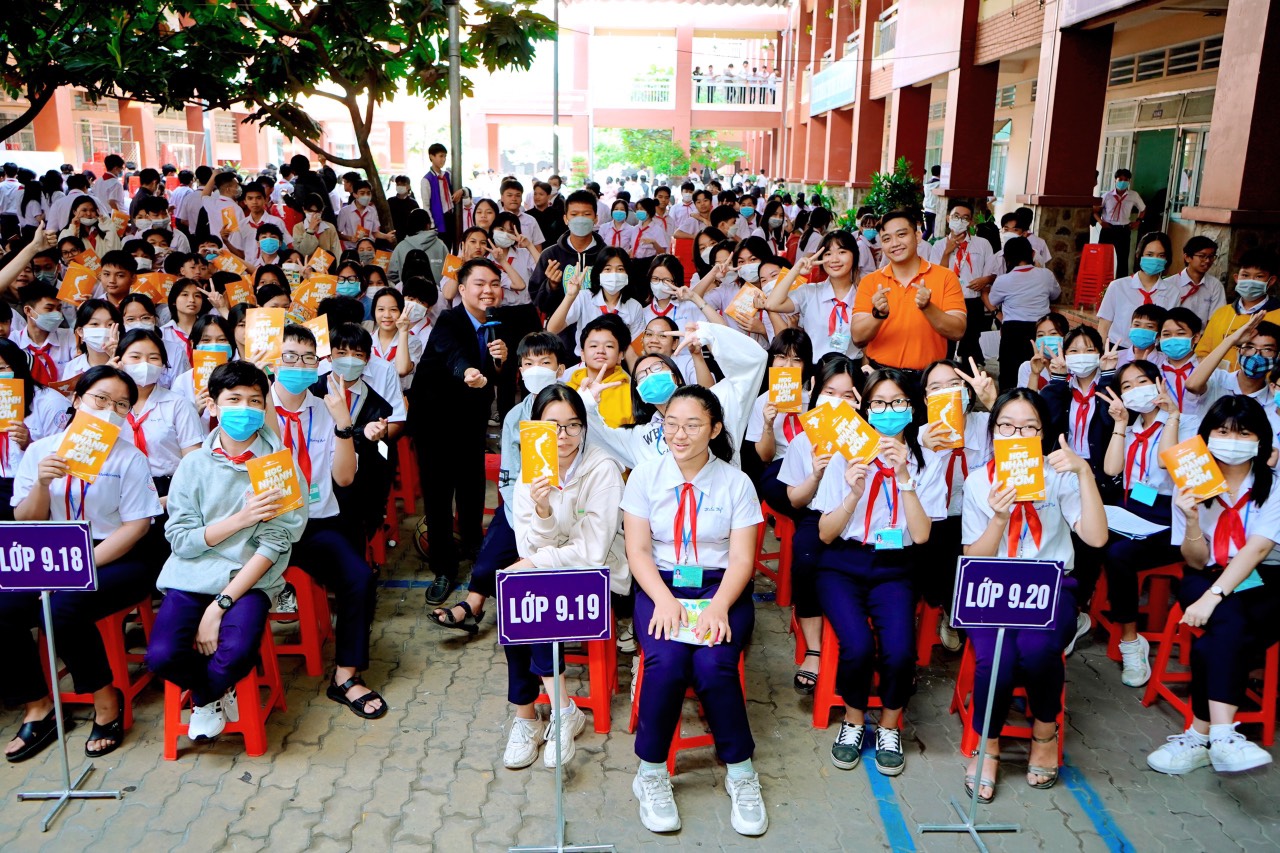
point(1010, 31)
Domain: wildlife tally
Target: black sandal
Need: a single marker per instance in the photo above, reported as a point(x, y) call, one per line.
point(112, 731)
point(338, 693)
point(799, 683)
point(444, 618)
point(36, 735)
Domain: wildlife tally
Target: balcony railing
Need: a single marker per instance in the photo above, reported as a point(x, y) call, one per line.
point(734, 92)
point(886, 31)
point(651, 92)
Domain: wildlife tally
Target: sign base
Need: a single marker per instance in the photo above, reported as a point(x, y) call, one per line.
point(969, 827)
point(71, 792)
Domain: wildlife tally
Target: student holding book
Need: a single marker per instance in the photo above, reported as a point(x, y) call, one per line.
point(769, 430)
point(210, 334)
point(690, 519)
point(572, 521)
point(997, 524)
point(98, 330)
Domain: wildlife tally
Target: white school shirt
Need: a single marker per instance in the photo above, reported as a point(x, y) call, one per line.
point(1225, 382)
point(1025, 293)
point(522, 262)
point(797, 465)
point(1146, 466)
point(389, 353)
point(1259, 520)
point(680, 215)
point(1079, 439)
point(316, 426)
point(1059, 513)
point(807, 248)
point(725, 500)
point(123, 492)
point(108, 188)
point(1190, 405)
point(59, 215)
point(381, 376)
point(1040, 250)
point(188, 209)
point(1209, 297)
point(742, 229)
point(833, 489)
point(1123, 296)
point(1024, 376)
point(28, 216)
point(1118, 207)
point(246, 239)
point(587, 306)
point(49, 414)
point(175, 342)
point(868, 256)
point(977, 254)
point(945, 465)
point(184, 385)
point(531, 229)
point(179, 193)
point(755, 427)
point(11, 190)
point(171, 425)
point(816, 306)
point(652, 229)
point(357, 221)
point(617, 235)
point(61, 342)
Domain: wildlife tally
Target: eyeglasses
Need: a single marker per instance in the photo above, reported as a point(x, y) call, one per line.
point(878, 406)
point(1250, 349)
point(690, 429)
point(309, 359)
point(666, 282)
point(104, 401)
point(1201, 256)
point(1007, 430)
point(572, 430)
point(657, 368)
point(347, 278)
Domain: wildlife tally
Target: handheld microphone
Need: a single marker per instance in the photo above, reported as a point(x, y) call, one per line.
point(491, 324)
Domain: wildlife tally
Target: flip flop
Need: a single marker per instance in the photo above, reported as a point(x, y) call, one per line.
point(36, 735)
point(112, 731)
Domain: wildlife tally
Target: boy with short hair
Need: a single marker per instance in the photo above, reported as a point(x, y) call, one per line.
point(230, 550)
point(115, 276)
point(1257, 343)
point(1198, 290)
point(244, 242)
point(604, 345)
point(511, 196)
point(1144, 335)
point(1255, 275)
point(48, 344)
point(1179, 334)
point(359, 219)
point(1114, 213)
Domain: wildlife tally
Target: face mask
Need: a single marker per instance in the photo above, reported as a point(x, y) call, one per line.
point(657, 388)
point(749, 273)
point(705, 254)
point(1256, 366)
point(581, 226)
point(6, 374)
point(225, 349)
point(144, 264)
point(1141, 399)
point(145, 325)
point(95, 339)
point(1051, 344)
point(49, 320)
point(1250, 289)
point(1233, 451)
point(503, 240)
point(889, 422)
point(613, 282)
point(88, 221)
point(1176, 348)
point(747, 212)
point(1152, 266)
point(537, 378)
point(366, 257)
point(775, 221)
point(268, 245)
point(47, 276)
point(402, 191)
point(957, 226)
point(240, 422)
point(687, 198)
point(416, 311)
point(869, 234)
point(641, 216)
point(466, 203)
point(348, 288)
point(660, 289)
point(730, 277)
point(144, 373)
point(619, 216)
point(348, 367)
point(108, 415)
point(363, 200)
point(1005, 237)
point(210, 256)
point(829, 400)
point(1122, 185)
point(1083, 363)
point(1142, 338)
point(296, 379)
point(313, 218)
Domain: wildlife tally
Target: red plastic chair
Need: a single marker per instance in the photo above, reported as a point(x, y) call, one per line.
point(962, 704)
point(683, 250)
point(927, 620)
point(785, 530)
point(1156, 610)
point(600, 657)
point(825, 696)
point(314, 622)
point(1097, 270)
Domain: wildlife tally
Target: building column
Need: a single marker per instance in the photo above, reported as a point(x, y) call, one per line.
point(495, 149)
point(839, 131)
point(55, 128)
point(683, 84)
point(253, 143)
point(138, 116)
point(867, 115)
point(395, 131)
point(971, 112)
point(909, 125)
point(797, 150)
point(1062, 172)
point(1238, 206)
point(815, 165)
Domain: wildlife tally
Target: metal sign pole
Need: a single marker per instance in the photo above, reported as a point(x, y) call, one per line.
point(69, 790)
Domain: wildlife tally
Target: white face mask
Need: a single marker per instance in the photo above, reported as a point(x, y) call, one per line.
point(957, 226)
point(1141, 399)
point(613, 282)
point(1083, 363)
point(660, 289)
point(1005, 237)
point(706, 254)
point(829, 400)
point(145, 325)
point(687, 198)
point(750, 273)
point(108, 415)
point(537, 378)
point(1233, 451)
point(95, 338)
point(503, 240)
point(144, 264)
point(88, 221)
point(144, 373)
point(402, 191)
point(415, 311)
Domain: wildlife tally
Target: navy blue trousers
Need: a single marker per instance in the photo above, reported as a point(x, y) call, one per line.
point(497, 552)
point(527, 665)
point(806, 552)
point(1123, 558)
point(329, 557)
point(171, 653)
point(670, 668)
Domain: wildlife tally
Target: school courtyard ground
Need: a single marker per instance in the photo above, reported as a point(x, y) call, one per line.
point(429, 775)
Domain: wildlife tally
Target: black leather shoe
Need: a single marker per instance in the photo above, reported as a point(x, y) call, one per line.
point(439, 590)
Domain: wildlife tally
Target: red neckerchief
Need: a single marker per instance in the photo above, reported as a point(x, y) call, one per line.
point(616, 237)
point(1195, 288)
point(962, 257)
point(689, 499)
point(1180, 378)
point(635, 247)
point(294, 419)
point(791, 426)
point(238, 459)
point(43, 368)
point(653, 306)
point(884, 474)
point(1024, 513)
point(839, 311)
point(1083, 408)
point(957, 455)
point(1138, 453)
point(186, 340)
point(1232, 533)
point(139, 437)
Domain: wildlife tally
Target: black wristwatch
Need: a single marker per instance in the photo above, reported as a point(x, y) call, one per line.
point(879, 315)
point(346, 432)
point(224, 601)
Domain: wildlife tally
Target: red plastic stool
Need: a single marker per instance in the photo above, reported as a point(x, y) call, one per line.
point(314, 623)
point(927, 621)
point(962, 704)
point(118, 657)
point(492, 470)
point(253, 708)
point(600, 657)
point(679, 741)
point(825, 697)
point(375, 551)
point(784, 529)
point(406, 485)
point(1159, 597)
point(1177, 634)
point(1097, 269)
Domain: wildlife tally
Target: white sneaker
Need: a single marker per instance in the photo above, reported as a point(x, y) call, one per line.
point(657, 801)
point(207, 721)
point(626, 637)
point(572, 721)
point(1181, 754)
point(230, 706)
point(286, 602)
point(1083, 624)
point(1137, 668)
point(748, 816)
point(1235, 752)
point(949, 636)
point(522, 744)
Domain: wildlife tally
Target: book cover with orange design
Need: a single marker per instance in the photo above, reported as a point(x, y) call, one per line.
point(86, 444)
point(227, 262)
point(1020, 463)
point(77, 284)
point(276, 471)
point(121, 220)
point(230, 221)
point(947, 407)
point(851, 436)
point(452, 263)
point(1193, 467)
point(785, 389)
point(315, 290)
point(319, 326)
point(13, 403)
point(264, 332)
point(88, 258)
point(204, 363)
point(743, 307)
point(539, 451)
point(382, 258)
point(240, 292)
point(320, 260)
point(153, 285)
point(801, 280)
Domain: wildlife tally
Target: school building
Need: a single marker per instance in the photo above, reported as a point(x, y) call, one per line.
point(1038, 102)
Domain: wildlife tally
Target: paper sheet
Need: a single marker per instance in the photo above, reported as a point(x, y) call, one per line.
point(1125, 523)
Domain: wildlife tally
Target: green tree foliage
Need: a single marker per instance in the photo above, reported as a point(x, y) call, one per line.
point(896, 190)
point(654, 151)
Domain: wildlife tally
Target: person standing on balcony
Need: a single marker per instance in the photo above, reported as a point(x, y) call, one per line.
point(697, 85)
point(730, 85)
point(773, 86)
point(711, 84)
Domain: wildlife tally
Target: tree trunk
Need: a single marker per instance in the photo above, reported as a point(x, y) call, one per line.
point(362, 125)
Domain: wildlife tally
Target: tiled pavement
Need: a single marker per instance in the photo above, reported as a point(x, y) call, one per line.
point(429, 776)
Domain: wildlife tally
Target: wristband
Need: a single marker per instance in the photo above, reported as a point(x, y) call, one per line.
point(346, 432)
point(879, 315)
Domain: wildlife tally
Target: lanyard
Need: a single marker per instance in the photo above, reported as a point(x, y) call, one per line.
point(76, 513)
point(683, 537)
point(883, 474)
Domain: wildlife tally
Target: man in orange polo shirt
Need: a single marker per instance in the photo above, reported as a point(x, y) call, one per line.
point(905, 313)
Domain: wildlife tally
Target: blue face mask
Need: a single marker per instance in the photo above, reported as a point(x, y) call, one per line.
point(1142, 338)
point(210, 256)
point(889, 422)
point(1122, 185)
point(869, 234)
point(240, 422)
point(348, 288)
point(6, 374)
point(1152, 266)
point(657, 388)
point(296, 379)
point(747, 212)
point(641, 216)
point(619, 216)
point(1176, 348)
point(1051, 344)
point(269, 245)
point(225, 349)
point(1256, 366)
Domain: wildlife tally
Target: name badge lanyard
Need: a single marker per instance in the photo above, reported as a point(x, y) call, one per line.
point(1146, 459)
point(890, 500)
point(74, 512)
point(686, 538)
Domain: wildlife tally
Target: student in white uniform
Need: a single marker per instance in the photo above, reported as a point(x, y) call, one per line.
point(47, 344)
point(811, 236)
point(771, 431)
point(390, 331)
point(99, 328)
point(188, 302)
point(650, 237)
point(1257, 342)
point(670, 300)
point(210, 334)
point(1023, 293)
point(379, 374)
point(139, 312)
point(616, 232)
point(745, 269)
point(1179, 334)
point(995, 525)
point(119, 506)
point(823, 310)
point(1145, 287)
point(1050, 330)
point(968, 257)
point(508, 250)
point(21, 433)
point(690, 519)
point(1115, 213)
point(609, 279)
point(1197, 290)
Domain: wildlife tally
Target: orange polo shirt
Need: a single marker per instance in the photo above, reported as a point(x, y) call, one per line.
point(907, 339)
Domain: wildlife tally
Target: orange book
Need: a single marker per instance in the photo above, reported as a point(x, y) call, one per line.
point(452, 263)
point(785, 389)
point(121, 220)
point(815, 423)
point(743, 307)
point(154, 285)
point(315, 290)
point(13, 403)
point(947, 406)
point(539, 451)
point(204, 363)
point(1020, 463)
point(320, 260)
point(801, 280)
point(88, 258)
point(77, 284)
point(230, 221)
point(276, 471)
point(264, 332)
point(227, 262)
point(382, 258)
point(320, 328)
point(86, 444)
point(240, 292)
point(851, 436)
point(1193, 467)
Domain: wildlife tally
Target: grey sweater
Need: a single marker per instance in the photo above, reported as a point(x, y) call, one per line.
point(205, 490)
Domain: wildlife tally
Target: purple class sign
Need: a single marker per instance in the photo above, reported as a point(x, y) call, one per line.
point(52, 555)
point(996, 593)
point(553, 605)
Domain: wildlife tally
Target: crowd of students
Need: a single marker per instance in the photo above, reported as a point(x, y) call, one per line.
point(653, 374)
